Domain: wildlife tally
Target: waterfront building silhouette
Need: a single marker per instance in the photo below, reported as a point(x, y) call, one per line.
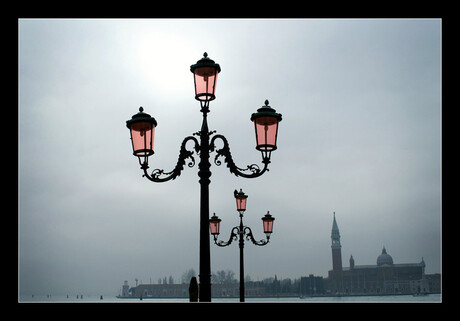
point(385, 277)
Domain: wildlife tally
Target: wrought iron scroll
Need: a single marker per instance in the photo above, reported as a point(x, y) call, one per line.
point(249, 236)
point(225, 152)
point(156, 174)
point(233, 236)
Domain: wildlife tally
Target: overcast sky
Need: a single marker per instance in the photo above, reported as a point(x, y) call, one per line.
point(360, 136)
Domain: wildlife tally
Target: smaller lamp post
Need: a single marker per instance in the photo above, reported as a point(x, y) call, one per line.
point(241, 230)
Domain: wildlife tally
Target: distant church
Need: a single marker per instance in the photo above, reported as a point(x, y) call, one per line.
point(383, 278)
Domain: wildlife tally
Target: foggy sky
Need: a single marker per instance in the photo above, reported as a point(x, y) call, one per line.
point(360, 136)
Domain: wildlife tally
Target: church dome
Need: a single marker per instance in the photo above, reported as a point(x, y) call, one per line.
point(384, 258)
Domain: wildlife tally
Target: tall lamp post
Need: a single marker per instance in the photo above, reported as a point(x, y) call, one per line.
point(142, 128)
point(242, 231)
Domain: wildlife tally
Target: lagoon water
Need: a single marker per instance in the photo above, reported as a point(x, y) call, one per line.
point(112, 299)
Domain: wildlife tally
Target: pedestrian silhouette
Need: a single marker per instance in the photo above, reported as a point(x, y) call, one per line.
point(193, 290)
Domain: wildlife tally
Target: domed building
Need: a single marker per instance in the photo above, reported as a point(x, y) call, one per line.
point(384, 258)
point(383, 278)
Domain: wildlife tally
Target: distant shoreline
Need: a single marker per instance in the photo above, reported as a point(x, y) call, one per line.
point(287, 296)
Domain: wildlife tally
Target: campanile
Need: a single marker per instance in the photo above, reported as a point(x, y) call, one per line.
point(336, 256)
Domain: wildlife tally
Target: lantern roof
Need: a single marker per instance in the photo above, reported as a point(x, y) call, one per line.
point(205, 62)
point(268, 217)
point(266, 111)
point(141, 117)
point(215, 218)
point(239, 194)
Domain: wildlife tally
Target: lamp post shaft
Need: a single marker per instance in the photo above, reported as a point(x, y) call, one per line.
point(205, 252)
point(241, 231)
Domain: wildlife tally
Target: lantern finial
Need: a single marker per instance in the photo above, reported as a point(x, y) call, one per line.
point(266, 102)
point(141, 109)
point(205, 54)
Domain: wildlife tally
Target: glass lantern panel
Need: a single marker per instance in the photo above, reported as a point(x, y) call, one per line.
point(268, 226)
point(142, 134)
point(241, 204)
point(215, 227)
point(205, 82)
point(266, 130)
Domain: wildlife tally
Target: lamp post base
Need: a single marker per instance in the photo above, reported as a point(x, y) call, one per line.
point(205, 289)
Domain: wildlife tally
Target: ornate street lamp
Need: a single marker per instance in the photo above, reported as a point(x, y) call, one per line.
point(268, 224)
point(214, 223)
point(241, 230)
point(142, 127)
point(240, 200)
point(266, 125)
point(205, 75)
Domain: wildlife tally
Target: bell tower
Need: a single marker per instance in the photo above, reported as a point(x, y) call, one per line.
point(336, 256)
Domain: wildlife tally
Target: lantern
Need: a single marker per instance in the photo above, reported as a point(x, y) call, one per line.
point(266, 126)
point(268, 223)
point(240, 200)
point(142, 129)
point(205, 74)
point(214, 223)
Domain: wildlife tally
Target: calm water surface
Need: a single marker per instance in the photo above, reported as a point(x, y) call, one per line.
point(113, 299)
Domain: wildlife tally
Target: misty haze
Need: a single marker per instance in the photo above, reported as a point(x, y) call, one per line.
point(360, 136)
